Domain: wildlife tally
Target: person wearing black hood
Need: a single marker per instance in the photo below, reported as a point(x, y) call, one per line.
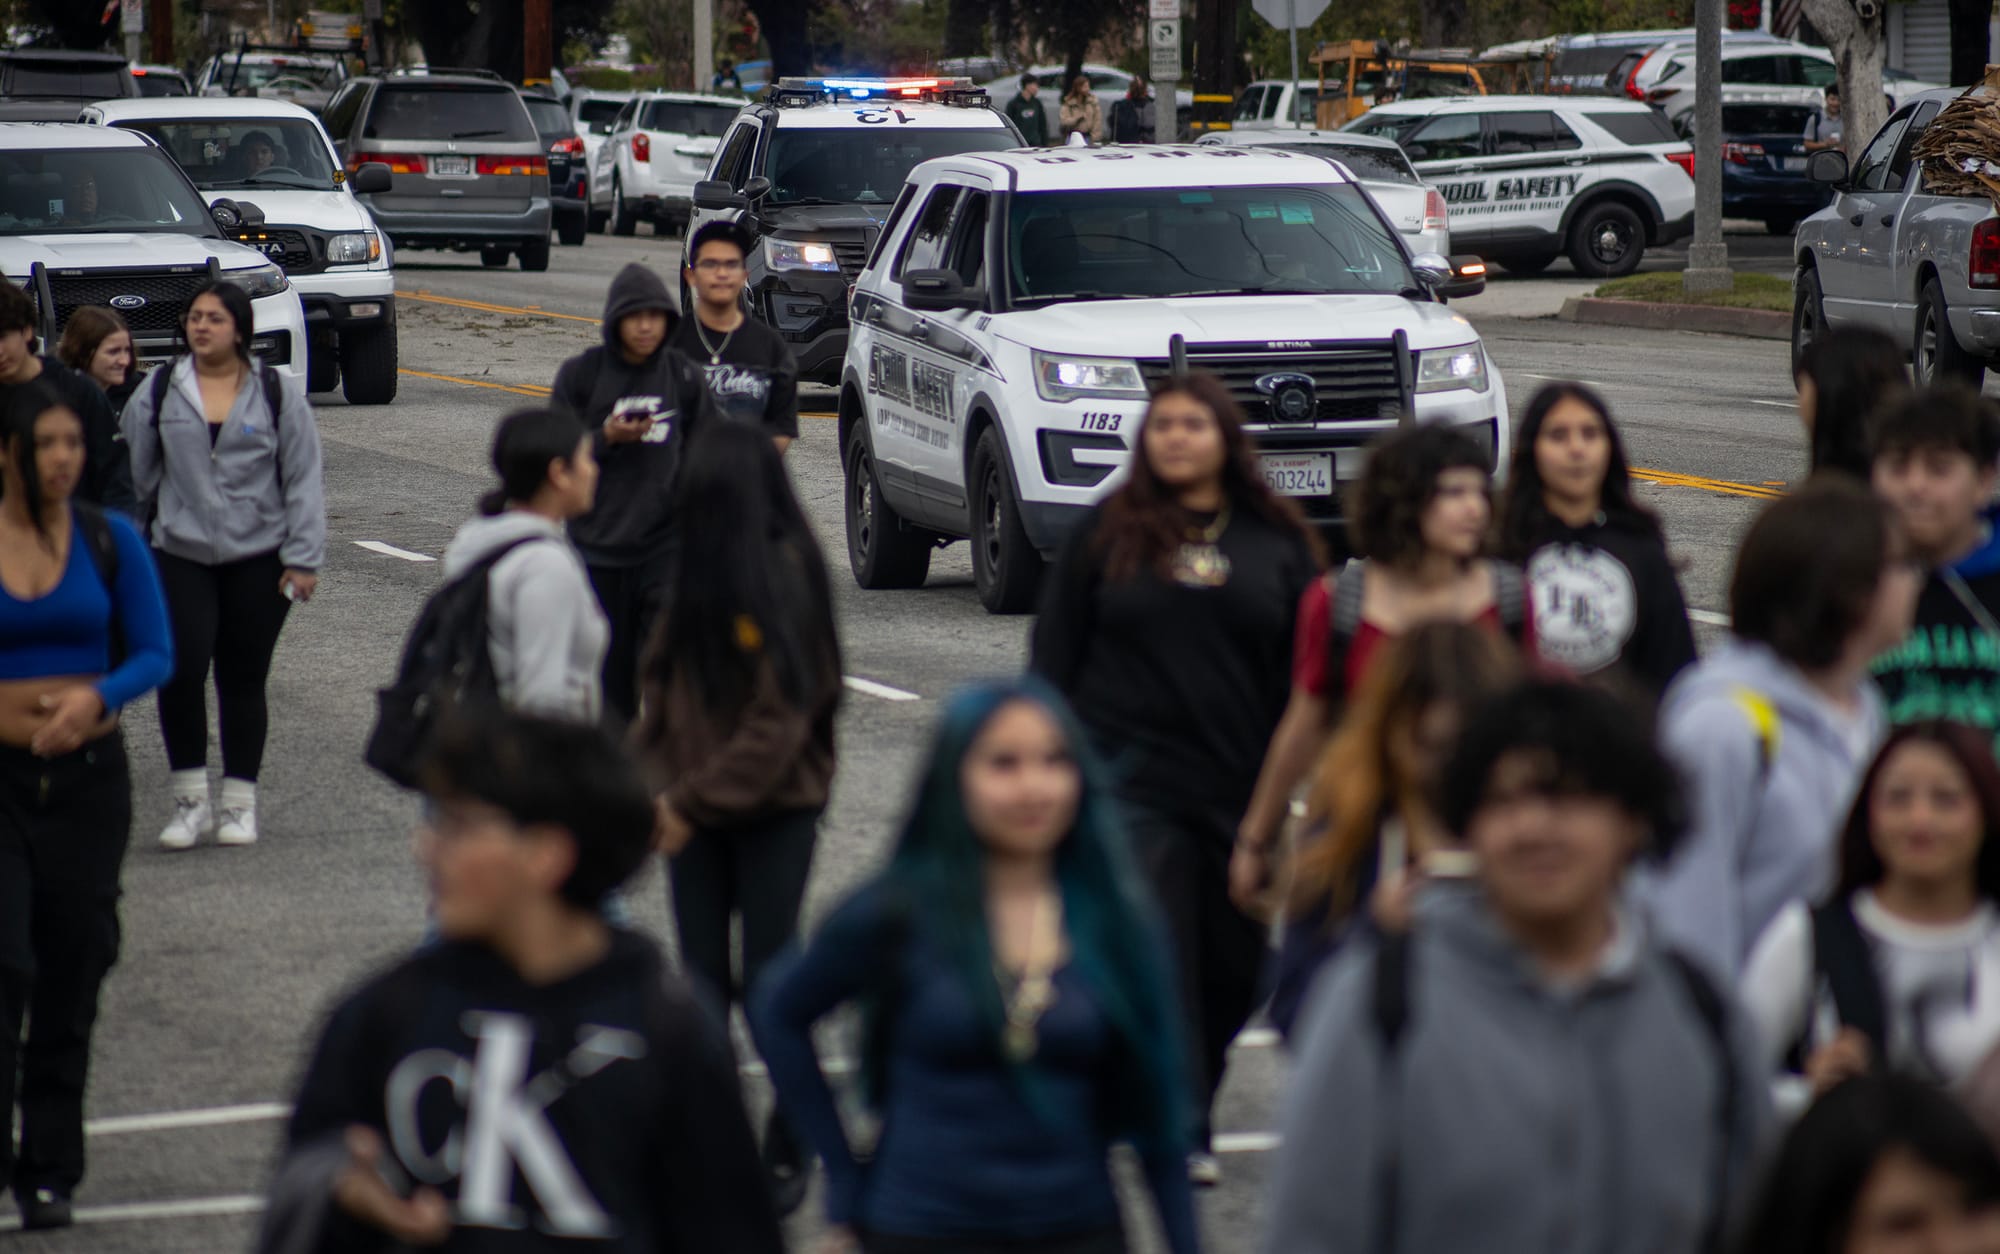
point(642, 401)
point(107, 470)
point(1605, 593)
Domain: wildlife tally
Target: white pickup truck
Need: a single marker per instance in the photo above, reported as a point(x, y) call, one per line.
point(1891, 253)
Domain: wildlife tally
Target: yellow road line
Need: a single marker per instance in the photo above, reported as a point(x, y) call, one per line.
point(487, 307)
point(519, 389)
point(1726, 487)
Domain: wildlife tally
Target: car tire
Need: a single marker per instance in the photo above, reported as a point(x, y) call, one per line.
point(1527, 265)
point(368, 365)
point(622, 221)
point(493, 257)
point(883, 551)
point(535, 256)
point(1781, 225)
point(1935, 356)
point(573, 228)
point(322, 364)
point(598, 218)
point(1607, 240)
point(1006, 567)
point(1808, 314)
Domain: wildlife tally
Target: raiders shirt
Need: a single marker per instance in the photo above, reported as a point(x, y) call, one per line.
point(752, 375)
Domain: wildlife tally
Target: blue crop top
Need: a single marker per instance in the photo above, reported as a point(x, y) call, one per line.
point(68, 631)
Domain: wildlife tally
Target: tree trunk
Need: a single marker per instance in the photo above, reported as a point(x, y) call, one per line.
point(1446, 23)
point(1971, 35)
point(965, 27)
point(1853, 33)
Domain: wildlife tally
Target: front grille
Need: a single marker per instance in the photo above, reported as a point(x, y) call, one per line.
point(1354, 380)
point(164, 295)
point(294, 251)
point(851, 256)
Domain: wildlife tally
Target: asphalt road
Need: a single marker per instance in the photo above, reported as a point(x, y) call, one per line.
point(231, 956)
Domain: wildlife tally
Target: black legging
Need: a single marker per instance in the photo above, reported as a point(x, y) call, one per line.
point(758, 871)
point(229, 614)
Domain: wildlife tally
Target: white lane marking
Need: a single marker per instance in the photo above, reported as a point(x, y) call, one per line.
point(171, 1120)
point(883, 691)
point(183, 1208)
point(1709, 618)
point(1558, 378)
point(1245, 1142)
point(1772, 404)
point(390, 550)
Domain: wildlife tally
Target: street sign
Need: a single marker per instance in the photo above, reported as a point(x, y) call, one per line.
point(1166, 64)
point(1157, 9)
point(1166, 33)
point(132, 16)
point(1283, 14)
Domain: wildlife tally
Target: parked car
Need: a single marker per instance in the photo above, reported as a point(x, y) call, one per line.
point(470, 172)
point(1416, 212)
point(660, 146)
point(1774, 73)
point(50, 85)
point(569, 177)
point(1764, 163)
point(307, 79)
point(594, 111)
point(315, 227)
point(1276, 104)
point(161, 80)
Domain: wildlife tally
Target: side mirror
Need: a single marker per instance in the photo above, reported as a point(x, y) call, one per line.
point(232, 215)
point(1433, 270)
point(937, 291)
point(1828, 165)
point(1468, 278)
point(1416, 152)
point(714, 194)
point(756, 189)
point(370, 177)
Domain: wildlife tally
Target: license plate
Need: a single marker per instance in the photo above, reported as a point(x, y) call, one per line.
point(1794, 163)
point(1299, 474)
point(451, 165)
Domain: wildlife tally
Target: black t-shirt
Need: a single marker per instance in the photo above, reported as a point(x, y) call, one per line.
point(752, 375)
point(1949, 666)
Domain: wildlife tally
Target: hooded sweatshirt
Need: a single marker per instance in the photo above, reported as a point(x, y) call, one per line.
point(107, 471)
point(1605, 595)
point(1529, 1118)
point(1949, 666)
point(545, 632)
point(599, 1112)
point(1764, 813)
point(630, 525)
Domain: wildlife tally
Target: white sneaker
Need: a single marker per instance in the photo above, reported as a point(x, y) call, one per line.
point(192, 819)
point(236, 825)
point(1204, 1172)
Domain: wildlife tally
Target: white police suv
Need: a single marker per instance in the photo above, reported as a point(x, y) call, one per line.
point(1528, 178)
point(1020, 305)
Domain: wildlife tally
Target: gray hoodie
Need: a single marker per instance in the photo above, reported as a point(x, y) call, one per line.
point(1527, 1120)
point(255, 488)
point(1760, 834)
point(545, 631)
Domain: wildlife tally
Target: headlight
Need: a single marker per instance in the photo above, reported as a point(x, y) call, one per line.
point(1067, 378)
point(264, 280)
point(783, 254)
point(1449, 369)
point(352, 249)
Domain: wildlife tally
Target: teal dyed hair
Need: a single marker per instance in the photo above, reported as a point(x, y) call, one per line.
point(936, 875)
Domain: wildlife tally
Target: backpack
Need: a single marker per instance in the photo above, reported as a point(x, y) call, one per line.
point(1389, 1007)
point(274, 398)
point(1510, 600)
point(1844, 959)
point(1764, 720)
point(446, 665)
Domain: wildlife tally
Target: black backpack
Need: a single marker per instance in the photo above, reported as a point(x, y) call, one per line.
point(446, 666)
point(1510, 603)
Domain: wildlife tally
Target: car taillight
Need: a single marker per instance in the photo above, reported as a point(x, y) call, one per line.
point(1743, 154)
point(642, 147)
point(573, 145)
point(398, 162)
point(1685, 160)
point(1983, 267)
point(513, 165)
point(1434, 210)
point(1632, 88)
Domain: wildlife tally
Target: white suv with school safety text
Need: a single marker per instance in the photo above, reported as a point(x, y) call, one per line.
point(1528, 178)
point(1020, 305)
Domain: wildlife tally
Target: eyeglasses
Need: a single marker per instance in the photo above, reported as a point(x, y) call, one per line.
point(718, 265)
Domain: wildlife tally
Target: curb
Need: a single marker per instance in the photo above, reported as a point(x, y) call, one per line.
point(1761, 324)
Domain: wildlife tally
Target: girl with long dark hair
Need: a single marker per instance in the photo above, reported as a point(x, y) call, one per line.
point(85, 632)
point(1596, 560)
point(741, 684)
point(1374, 827)
point(226, 463)
point(1016, 1015)
point(1901, 967)
point(1167, 622)
point(1843, 378)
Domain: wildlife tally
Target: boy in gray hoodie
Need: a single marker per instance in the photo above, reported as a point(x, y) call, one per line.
point(1527, 1071)
point(1772, 731)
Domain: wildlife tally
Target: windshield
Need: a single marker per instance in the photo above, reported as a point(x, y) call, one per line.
point(549, 115)
point(866, 165)
point(681, 118)
point(57, 78)
point(103, 189)
point(251, 75)
point(246, 152)
point(1366, 82)
point(1386, 165)
point(1389, 125)
point(1159, 242)
point(597, 114)
point(434, 112)
point(154, 83)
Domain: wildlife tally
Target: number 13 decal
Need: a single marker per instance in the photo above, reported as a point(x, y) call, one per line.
point(880, 115)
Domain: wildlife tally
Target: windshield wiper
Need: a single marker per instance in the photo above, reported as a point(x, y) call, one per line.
point(475, 134)
point(808, 202)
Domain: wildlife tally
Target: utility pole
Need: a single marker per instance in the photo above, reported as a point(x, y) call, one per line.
point(702, 55)
point(161, 24)
point(1708, 257)
point(537, 40)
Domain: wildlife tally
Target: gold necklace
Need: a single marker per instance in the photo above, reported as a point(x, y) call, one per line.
point(1198, 563)
point(1035, 991)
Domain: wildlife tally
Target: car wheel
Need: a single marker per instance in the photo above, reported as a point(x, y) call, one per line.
point(622, 221)
point(573, 228)
point(1528, 264)
point(1808, 315)
point(883, 551)
point(368, 365)
point(1936, 357)
point(492, 257)
point(322, 365)
point(1781, 225)
point(1607, 240)
point(1006, 568)
point(535, 256)
point(597, 220)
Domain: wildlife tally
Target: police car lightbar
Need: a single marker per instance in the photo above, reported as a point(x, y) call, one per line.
point(811, 91)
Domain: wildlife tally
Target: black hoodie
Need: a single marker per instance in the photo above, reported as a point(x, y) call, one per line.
point(1606, 594)
point(630, 524)
point(601, 1112)
point(107, 469)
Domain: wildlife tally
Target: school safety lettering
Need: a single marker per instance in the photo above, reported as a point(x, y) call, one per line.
point(1547, 191)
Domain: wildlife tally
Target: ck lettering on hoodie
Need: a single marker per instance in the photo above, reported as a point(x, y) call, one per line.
point(503, 1130)
point(656, 408)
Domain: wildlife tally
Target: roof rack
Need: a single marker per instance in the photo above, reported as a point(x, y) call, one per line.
point(452, 71)
point(792, 93)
